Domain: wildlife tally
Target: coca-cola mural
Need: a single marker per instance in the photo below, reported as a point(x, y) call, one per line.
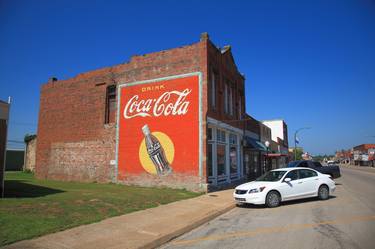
point(158, 127)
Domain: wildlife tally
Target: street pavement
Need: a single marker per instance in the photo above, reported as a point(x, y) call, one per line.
point(346, 220)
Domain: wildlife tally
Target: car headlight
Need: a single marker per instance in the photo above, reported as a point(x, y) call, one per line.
point(256, 190)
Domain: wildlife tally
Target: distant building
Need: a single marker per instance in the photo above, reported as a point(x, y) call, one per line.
point(279, 146)
point(30, 154)
point(344, 156)
point(363, 155)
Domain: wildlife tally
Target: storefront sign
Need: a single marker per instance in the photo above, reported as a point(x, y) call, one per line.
point(158, 127)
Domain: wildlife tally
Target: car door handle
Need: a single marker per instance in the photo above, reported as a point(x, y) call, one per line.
point(317, 179)
point(300, 182)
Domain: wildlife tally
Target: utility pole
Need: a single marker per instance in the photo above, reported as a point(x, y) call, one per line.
point(295, 140)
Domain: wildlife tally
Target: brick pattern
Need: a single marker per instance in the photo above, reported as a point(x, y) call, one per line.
point(73, 141)
point(75, 144)
point(222, 64)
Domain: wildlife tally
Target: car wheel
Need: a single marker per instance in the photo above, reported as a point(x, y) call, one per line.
point(323, 192)
point(273, 199)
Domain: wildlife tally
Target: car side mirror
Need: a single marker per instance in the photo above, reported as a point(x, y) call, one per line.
point(287, 179)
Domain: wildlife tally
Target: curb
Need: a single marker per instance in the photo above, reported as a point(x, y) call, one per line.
point(168, 237)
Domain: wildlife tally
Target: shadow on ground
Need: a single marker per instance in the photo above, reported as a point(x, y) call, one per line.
point(232, 185)
point(21, 189)
point(286, 203)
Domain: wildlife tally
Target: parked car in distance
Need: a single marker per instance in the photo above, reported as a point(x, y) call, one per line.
point(285, 184)
point(332, 170)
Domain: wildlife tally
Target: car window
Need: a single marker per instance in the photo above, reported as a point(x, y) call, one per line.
point(303, 164)
point(271, 176)
point(306, 173)
point(317, 164)
point(293, 164)
point(293, 175)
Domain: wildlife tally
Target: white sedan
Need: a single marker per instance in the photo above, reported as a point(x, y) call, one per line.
point(283, 185)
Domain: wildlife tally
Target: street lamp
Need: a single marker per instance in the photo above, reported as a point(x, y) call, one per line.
point(295, 139)
point(267, 144)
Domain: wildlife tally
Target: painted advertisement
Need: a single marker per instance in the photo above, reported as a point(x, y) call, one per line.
point(158, 127)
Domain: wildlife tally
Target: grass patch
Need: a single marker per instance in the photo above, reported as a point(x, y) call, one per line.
point(34, 207)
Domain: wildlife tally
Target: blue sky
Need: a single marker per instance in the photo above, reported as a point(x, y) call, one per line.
point(311, 63)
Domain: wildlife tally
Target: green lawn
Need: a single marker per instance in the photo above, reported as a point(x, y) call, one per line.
point(33, 207)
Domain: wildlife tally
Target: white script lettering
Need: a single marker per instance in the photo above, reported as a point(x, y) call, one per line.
point(157, 107)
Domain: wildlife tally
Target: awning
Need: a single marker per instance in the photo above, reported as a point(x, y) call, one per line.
point(254, 144)
point(276, 155)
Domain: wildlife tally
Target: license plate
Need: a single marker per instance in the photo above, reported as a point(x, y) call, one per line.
point(240, 199)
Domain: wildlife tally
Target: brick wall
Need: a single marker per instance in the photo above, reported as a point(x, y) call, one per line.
point(221, 64)
point(74, 143)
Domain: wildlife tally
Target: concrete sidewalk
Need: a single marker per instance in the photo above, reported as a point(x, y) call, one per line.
point(143, 229)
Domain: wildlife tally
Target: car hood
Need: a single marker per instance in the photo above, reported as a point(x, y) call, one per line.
point(254, 184)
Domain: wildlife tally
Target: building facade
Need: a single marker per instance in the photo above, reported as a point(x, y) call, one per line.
point(172, 118)
point(279, 154)
point(364, 155)
point(4, 117)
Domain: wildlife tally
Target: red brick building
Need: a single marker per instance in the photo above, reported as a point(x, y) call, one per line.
point(4, 119)
point(192, 99)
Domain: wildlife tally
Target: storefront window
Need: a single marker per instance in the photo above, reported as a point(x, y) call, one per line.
point(221, 136)
point(209, 160)
point(209, 134)
point(233, 139)
point(220, 160)
point(233, 153)
point(233, 159)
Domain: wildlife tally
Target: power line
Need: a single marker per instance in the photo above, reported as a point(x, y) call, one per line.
point(16, 141)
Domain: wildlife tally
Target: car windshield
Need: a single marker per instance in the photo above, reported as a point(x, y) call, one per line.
point(293, 164)
point(271, 176)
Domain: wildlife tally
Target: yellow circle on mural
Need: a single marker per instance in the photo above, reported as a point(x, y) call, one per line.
point(167, 145)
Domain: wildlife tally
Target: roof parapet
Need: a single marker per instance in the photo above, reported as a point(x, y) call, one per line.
point(204, 36)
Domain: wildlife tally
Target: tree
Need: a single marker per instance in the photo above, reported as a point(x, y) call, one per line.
point(29, 137)
point(299, 153)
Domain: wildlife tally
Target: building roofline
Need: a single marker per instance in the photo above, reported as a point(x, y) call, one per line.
point(269, 120)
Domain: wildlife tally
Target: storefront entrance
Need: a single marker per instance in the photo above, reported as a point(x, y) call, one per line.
point(224, 155)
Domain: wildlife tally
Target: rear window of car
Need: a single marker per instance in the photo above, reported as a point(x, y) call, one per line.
point(317, 164)
point(303, 164)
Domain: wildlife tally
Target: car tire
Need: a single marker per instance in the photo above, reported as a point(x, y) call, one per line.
point(273, 199)
point(323, 192)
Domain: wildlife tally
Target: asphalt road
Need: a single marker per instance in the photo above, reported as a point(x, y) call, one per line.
point(346, 220)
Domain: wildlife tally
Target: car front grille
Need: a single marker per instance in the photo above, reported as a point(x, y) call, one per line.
point(241, 192)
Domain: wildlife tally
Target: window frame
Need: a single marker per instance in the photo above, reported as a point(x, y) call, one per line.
point(111, 97)
point(213, 89)
point(300, 170)
point(286, 175)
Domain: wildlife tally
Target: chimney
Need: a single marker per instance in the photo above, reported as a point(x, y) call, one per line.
point(225, 49)
point(52, 79)
point(204, 36)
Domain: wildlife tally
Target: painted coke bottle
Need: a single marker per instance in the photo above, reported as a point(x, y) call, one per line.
point(156, 152)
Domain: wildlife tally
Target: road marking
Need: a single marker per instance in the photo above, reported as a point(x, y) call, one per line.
point(268, 230)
